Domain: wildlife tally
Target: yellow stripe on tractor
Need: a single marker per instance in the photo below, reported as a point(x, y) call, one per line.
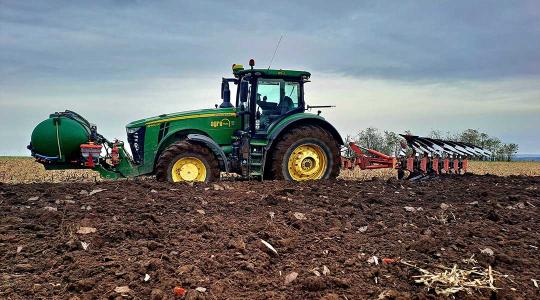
point(157, 122)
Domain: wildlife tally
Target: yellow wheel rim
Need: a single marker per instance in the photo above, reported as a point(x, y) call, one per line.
point(307, 162)
point(188, 169)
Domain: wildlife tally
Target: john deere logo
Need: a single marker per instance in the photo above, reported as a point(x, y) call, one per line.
point(222, 123)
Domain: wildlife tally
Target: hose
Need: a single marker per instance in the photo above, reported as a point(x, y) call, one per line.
point(58, 139)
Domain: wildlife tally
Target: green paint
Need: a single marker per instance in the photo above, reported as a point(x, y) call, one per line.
point(276, 127)
point(53, 131)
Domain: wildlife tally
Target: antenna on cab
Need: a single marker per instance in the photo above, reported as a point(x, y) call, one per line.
point(275, 51)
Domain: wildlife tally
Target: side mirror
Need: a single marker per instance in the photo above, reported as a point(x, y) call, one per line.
point(244, 89)
point(222, 88)
point(225, 95)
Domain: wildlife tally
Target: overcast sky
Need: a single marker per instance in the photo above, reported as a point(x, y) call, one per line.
point(418, 66)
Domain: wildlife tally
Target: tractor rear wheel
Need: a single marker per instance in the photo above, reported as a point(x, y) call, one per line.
point(305, 153)
point(186, 161)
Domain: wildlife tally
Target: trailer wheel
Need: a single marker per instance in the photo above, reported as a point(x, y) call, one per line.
point(305, 153)
point(186, 161)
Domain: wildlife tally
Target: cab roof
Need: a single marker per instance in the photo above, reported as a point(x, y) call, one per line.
point(274, 73)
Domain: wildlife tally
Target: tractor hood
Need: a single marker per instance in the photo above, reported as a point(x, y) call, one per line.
point(182, 115)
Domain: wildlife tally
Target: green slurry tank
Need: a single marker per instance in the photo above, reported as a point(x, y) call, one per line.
point(58, 138)
point(66, 140)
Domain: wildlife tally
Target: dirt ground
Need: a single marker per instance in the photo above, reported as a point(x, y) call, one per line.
point(141, 239)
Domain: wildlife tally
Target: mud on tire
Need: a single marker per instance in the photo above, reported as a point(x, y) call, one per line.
point(297, 136)
point(182, 149)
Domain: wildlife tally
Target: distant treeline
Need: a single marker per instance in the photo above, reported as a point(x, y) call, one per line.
point(389, 142)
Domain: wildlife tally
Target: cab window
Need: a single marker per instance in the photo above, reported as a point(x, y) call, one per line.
point(275, 97)
point(292, 90)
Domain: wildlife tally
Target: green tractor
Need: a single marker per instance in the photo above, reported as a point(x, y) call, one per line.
point(266, 134)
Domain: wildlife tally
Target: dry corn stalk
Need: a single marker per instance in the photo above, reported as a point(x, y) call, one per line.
point(452, 280)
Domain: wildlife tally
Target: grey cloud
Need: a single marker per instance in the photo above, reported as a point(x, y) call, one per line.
point(420, 40)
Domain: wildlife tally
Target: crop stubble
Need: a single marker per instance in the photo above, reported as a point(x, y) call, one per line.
point(26, 170)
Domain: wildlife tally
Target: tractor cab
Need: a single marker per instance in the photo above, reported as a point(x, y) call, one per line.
point(265, 96)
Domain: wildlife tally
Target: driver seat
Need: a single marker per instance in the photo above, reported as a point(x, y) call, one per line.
point(286, 104)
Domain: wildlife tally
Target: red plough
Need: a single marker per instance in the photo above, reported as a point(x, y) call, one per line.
point(419, 157)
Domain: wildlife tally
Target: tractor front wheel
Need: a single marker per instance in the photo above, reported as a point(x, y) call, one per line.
point(305, 153)
point(186, 161)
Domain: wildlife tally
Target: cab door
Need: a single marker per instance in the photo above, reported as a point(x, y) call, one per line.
point(243, 103)
point(275, 98)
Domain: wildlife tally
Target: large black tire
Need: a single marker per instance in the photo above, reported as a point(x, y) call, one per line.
point(307, 134)
point(182, 149)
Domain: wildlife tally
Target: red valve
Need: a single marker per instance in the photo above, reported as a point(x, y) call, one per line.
point(115, 157)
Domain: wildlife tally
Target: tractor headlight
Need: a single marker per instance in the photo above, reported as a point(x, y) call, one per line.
point(132, 130)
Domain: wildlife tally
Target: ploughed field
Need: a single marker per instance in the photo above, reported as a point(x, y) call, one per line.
point(342, 239)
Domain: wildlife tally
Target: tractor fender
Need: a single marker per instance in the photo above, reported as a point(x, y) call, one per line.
point(311, 120)
point(213, 146)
